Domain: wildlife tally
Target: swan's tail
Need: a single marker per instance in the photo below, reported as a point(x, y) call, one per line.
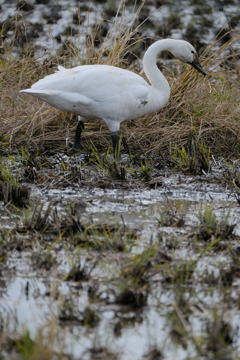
point(39, 93)
point(60, 100)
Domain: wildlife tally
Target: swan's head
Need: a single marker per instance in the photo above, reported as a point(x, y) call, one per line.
point(186, 53)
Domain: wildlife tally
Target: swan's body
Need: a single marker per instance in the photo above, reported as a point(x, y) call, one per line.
point(111, 93)
point(103, 91)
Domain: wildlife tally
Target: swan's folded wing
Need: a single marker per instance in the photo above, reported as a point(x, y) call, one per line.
point(96, 82)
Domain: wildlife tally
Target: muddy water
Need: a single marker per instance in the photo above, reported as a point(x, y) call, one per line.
point(139, 207)
point(31, 297)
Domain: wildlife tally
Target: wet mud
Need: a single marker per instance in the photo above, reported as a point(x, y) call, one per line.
point(131, 269)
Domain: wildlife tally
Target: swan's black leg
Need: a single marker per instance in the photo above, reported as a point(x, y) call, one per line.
point(79, 129)
point(116, 145)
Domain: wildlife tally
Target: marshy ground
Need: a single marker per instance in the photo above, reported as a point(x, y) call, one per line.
point(143, 266)
point(131, 260)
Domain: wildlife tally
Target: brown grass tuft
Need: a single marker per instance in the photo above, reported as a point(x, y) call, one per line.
point(208, 106)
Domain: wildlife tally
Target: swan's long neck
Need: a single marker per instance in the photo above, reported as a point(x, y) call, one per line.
point(150, 68)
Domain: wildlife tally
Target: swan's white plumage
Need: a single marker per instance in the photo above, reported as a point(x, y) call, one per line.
point(101, 91)
point(111, 93)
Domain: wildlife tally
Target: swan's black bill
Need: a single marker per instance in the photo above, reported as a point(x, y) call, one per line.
point(196, 64)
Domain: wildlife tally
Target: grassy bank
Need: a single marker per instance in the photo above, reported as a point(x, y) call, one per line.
point(200, 109)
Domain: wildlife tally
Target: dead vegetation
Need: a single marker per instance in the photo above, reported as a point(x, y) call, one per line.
point(206, 107)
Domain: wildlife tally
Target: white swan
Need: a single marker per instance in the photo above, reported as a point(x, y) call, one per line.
point(111, 93)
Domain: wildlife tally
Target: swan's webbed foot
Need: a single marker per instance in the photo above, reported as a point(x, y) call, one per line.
point(79, 130)
point(116, 145)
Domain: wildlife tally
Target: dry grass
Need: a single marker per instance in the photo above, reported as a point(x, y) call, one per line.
point(208, 106)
